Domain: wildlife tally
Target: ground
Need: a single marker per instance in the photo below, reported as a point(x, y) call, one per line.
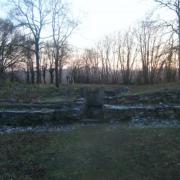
point(97, 151)
point(16, 92)
point(101, 152)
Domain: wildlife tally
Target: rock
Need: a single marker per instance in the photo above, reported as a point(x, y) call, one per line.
point(95, 113)
point(95, 98)
point(127, 113)
point(110, 93)
point(122, 90)
point(83, 92)
point(33, 114)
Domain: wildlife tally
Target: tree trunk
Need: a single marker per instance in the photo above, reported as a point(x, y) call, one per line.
point(179, 48)
point(57, 69)
point(44, 76)
point(32, 75)
point(60, 71)
point(12, 75)
point(51, 71)
point(38, 80)
point(60, 75)
point(27, 77)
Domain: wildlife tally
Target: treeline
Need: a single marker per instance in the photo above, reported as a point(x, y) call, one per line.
point(35, 41)
point(150, 53)
point(146, 54)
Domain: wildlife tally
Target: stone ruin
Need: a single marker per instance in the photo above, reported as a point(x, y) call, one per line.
point(91, 107)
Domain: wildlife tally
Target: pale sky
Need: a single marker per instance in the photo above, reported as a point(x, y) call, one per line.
point(99, 18)
point(102, 17)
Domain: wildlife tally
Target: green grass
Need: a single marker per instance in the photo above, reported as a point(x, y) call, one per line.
point(98, 153)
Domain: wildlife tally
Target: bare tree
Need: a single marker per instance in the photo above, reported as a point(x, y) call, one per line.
point(28, 52)
point(174, 5)
point(62, 27)
point(10, 46)
point(49, 54)
point(44, 69)
point(170, 64)
point(127, 55)
point(152, 44)
point(104, 50)
point(32, 14)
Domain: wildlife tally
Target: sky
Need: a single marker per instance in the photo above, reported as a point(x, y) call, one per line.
point(98, 18)
point(102, 17)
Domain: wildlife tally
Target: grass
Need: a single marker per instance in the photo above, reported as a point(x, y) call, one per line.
point(98, 153)
point(27, 93)
point(19, 90)
point(18, 93)
point(143, 89)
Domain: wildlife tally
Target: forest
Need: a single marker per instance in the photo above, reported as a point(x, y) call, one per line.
point(35, 48)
